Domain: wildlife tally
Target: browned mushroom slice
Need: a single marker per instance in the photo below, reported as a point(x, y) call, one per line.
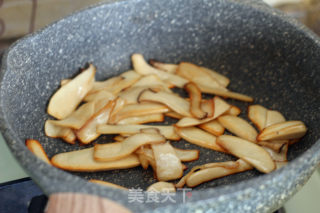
point(278, 156)
point(197, 75)
point(213, 127)
point(195, 100)
point(223, 80)
point(35, 147)
point(174, 115)
point(152, 81)
point(274, 145)
point(142, 119)
point(78, 118)
point(119, 138)
point(162, 186)
point(68, 97)
point(283, 131)
point(131, 94)
point(128, 79)
point(134, 110)
point(187, 155)
point(64, 82)
point(274, 117)
point(208, 107)
point(199, 137)
point(168, 164)
point(171, 68)
point(108, 184)
point(143, 68)
point(224, 93)
point(239, 127)
point(54, 131)
point(248, 151)
point(258, 115)
point(234, 110)
point(118, 150)
point(88, 132)
point(167, 131)
point(173, 101)
point(83, 161)
point(214, 172)
point(103, 94)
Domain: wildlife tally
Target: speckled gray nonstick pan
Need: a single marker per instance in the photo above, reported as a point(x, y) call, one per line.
point(265, 54)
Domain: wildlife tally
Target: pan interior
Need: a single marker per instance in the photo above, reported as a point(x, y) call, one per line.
point(263, 56)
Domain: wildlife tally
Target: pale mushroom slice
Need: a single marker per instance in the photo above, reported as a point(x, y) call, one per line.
point(274, 117)
point(108, 184)
point(54, 131)
point(159, 117)
point(152, 81)
point(143, 68)
point(283, 131)
point(234, 110)
point(173, 101)
point(103, 94)
point(83, 161)
point(248, 151)
point(78, 118)
point(213, 127)
point(209, 89)
point(162, 186)
point(197, 75)
point(195, 100)
point(64, 82)
point(223, 80)
point(226, 164)
point(258, 115)
point(169, 166)
point(118, 150)
point(119, 105)
point(127, 79)
point(274, 145)
point(131, 95)
point(279, 156)
point(88, 132)
point(134, 110)
point(36, 148)
point(167, 131)
point(106, 85)
point(239, 127)
point(214, 172)
point(170, 68)
point(187, 155)
point(220, 107)
point(66, 99)
point(199, 137)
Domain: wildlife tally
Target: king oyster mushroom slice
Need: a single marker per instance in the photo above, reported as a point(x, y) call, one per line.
point(173, 101)
point(195, 100)
point(143, 68)
point(171, 68)
point(118, 150)
point(108, 184)
point(35, 147)
point(54, 131)
point(258, 115)
point(162, 186)
point(239, 127)
point(274, 117)
point(168, 165)
point(283, 131)
point(248, 151)
point(158, 117)
point(83, 161)
point(66, 99)
point(213, 127)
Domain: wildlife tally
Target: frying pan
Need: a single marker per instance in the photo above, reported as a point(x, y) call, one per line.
point(265, 54)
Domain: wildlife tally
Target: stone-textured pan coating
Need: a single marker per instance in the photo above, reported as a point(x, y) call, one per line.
point(265, 54)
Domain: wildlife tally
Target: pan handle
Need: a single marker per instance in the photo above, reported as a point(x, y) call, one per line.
point(82, 203)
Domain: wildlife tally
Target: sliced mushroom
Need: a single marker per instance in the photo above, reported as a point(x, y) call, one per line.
point(88, 132)
point(54, 131)
point(278, 156)
point(142, 67)
point(239, 127)
point(106, 85)
point(199, 137)
point(248, 151)
point(171, 68)
point(119, 138)
point(162, 186)
point(223, 80)
point(208, 107)
point(102, 94)
point(195, 100)
point(167, 131)
point(83, 161)
point(108, 184)
point(35, 147)
point(152, 81)
point(173, 101)
point(274, 145)
point(118, 150)
point(174, 115)
point(134, 110)
point(234, 110)
point(143, 119)
point(258, 115)
point(69, 96)
point(168, 164)
point(283, 131)
point(274, 117)
point(214, 172)
point(187, 155)
point(213, 127)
